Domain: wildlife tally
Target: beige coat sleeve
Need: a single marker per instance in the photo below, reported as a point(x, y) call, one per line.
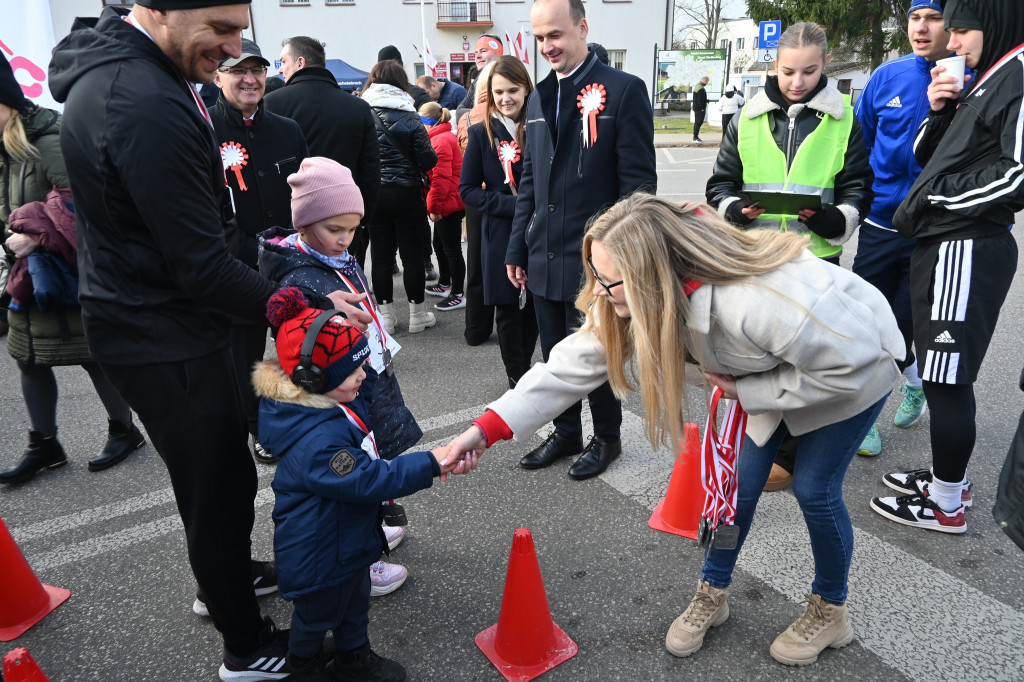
point(576, 366)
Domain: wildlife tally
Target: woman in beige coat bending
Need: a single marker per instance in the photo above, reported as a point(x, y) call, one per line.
point(806, 347)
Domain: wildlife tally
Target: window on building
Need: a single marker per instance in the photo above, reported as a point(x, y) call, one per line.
point(724, 44)
point(739, 43)
point(617, 58)
point(339, 2)
point(294, 3)
point(694, 45)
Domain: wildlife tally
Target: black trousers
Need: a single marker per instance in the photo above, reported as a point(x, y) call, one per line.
point(399, 219)
point(192, 412)
point(248, 344)
point(479, 317)
point(343, 609)
point(451, 266)
point(555, 321)
point(517, 337)
point(698, 121)
point(725, 121)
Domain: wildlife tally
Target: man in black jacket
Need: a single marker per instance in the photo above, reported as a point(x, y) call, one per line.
point(589, 142)
point(259, 151)
point(971, 147)
point(157, 282)
point(335, 124)
point(700, 106)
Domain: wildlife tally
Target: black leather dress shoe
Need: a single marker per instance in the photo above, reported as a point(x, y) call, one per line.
point(554, 447)
point(595, 458)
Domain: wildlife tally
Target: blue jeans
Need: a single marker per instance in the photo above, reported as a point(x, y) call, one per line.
point(822, 458)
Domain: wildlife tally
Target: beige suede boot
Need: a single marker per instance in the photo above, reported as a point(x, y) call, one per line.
point(823, 625)
point(707, 609)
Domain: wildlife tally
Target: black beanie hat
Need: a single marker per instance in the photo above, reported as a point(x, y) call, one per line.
point(389, 52)
point(10, 90)
point(188, 4)
point(960, 15)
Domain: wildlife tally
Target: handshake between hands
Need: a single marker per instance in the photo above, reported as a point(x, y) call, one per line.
point(462, 454)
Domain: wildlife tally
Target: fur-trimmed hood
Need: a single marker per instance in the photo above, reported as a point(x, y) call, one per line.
point(828, 101)
point(270, 381)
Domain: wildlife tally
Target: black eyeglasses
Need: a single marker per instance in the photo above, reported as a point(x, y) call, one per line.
point(607, 287)
point(243, 70)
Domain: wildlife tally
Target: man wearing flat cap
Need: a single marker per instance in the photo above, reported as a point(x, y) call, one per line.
point(157, 282)
point(259, 151)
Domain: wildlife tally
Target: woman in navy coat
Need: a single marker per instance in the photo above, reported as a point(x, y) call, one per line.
point(491, 169)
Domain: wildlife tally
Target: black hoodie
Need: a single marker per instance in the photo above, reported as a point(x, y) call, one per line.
point(156, 276)
point(973, 150)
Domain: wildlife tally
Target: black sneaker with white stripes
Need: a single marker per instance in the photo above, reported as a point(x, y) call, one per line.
point(264, 581)
point(268, 662)
point(915, 482)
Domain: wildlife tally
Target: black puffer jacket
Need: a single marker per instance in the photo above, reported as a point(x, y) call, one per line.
point(405, 151)
point(853, 194)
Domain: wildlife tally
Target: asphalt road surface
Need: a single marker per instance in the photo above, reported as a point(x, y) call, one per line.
point(923, 605)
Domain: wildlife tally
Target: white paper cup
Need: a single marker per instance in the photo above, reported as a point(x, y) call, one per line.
point(955, 67)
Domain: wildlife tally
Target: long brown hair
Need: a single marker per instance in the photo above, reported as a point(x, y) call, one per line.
point(513, 70)
point(657, 246)
point(389, 72)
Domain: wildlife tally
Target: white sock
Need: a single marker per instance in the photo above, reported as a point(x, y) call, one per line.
point(946, 496)
point(910, 374)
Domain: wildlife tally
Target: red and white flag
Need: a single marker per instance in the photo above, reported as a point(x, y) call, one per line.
point(519, 47)
point(428, 56)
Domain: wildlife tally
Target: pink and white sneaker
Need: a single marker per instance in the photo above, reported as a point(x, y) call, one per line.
point(385, 578)
point(394, 534)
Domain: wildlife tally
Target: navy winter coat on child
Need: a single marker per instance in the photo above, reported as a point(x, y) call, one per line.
point(328, 489)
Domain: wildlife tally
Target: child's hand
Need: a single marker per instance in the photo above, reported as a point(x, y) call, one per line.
point(453, 462)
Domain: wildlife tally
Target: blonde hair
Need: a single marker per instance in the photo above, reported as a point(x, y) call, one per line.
point(482, 86)
point(15, 139)
point(804, 34)
point(435, 110)
point(658, 247)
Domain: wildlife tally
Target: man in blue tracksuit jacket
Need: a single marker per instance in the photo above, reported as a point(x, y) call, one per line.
point(890, 110)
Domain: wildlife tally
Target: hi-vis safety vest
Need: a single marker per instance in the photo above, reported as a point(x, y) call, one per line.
point(813, 171)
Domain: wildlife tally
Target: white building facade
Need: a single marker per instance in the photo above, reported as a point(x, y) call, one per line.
point(354, 30)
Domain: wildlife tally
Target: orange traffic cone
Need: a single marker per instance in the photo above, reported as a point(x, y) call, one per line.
point(679, 511)
point(19, 666)
point(24, 601)
point(525, 643)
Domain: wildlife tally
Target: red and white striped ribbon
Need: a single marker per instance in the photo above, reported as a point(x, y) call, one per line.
point(719, 452)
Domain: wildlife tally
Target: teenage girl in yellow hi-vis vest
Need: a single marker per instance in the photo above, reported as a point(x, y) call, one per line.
point(799, 134)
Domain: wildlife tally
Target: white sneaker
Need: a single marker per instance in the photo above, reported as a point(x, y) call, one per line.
point(386, 578)
point(394, 534)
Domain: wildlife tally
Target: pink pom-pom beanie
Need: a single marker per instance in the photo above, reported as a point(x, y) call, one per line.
point(323, 188)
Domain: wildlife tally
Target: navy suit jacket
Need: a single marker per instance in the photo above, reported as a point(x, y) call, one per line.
point(564, 184)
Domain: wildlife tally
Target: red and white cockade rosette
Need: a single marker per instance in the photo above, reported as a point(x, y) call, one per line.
point(234, 157)
point(719, 452)
point(508, 154)
point(591, 101)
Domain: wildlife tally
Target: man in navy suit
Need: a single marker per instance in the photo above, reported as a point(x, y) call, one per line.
point(589, 142)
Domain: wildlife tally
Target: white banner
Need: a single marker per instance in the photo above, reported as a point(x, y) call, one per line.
point(26, 39)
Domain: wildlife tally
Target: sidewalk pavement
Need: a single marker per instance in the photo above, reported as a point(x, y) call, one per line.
point(686, 140)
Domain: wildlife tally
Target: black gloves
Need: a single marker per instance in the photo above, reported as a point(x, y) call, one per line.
point(829, 222)
point(734, 214)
